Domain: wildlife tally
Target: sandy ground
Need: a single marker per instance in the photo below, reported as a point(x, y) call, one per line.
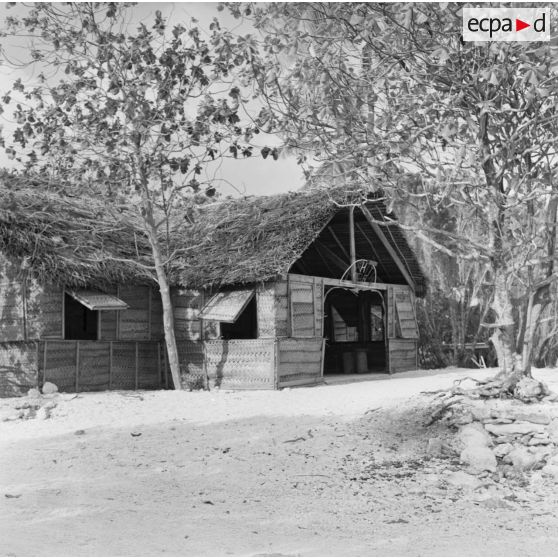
point(332, 470)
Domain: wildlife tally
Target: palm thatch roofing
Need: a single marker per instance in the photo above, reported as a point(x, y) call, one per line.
point(248, 240)
point(68, 240)
point(81, 241)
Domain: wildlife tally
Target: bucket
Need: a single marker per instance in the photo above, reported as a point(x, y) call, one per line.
point(362, 361)
point(348, 363)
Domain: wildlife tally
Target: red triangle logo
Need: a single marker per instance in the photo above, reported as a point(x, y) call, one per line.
point(519, 25)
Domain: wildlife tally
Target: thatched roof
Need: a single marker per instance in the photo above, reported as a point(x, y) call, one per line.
point(254, 239)
point(80, 241)
point(68, 240)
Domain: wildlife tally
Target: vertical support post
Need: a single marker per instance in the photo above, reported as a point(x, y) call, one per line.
point(159, 364)
point(276, 364)
point(353, 245)
point(137, 366)
point(323, 359)
point(77, 366)
point(44, 362)
point(24, 305)
point(110, 364)
point(118, 315)
point(149, 302)
point(63, 320)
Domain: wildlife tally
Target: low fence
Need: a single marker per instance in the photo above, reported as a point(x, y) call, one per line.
point(102, 365)
point(229, 364)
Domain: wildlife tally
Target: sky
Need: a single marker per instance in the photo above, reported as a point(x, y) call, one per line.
point(252, 176)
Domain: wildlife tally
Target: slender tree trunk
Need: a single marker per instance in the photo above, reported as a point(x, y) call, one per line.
point(168, 316)
point(503, 337)
point(162, 280)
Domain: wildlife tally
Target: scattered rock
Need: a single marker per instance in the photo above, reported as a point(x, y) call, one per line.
point(474, 434)
point(462, 418)
point(504, 439)
point(50, 405)
point(537, 418)
point(522, 459)
point(495, 502)
point(499, 420)
point(528, 388)
point(502, 450)
point(514, 428)
point(550, 470)
point(435, 446)
point(478, 458)
point(34, 393)
point(42, 414)
point(480, 412)
point(49, 387)
point(462, 479)
point(539, 441)
point(552, 430)
point(11, 414)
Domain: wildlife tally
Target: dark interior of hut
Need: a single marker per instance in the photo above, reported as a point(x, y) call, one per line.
point(245, 326)
point(354, 328)
point(79, 322)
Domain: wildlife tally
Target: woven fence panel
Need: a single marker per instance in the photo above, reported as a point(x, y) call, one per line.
point(93, 366)
point(149, 372)
point(60, 361)
point(123, 365)
point(241, 363)
point(100, 365)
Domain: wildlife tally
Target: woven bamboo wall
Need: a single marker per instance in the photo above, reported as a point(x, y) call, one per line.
point(12, 304)
point(234, 364)
point(76, 366)
point(18, 368)
point(299, 361)
point(135, 321)
point(44, 311)
point(241, 363)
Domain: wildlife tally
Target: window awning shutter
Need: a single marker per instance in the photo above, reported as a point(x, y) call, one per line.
point(98, 301)
point(226, 306)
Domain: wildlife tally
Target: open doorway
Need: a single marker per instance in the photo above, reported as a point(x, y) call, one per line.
point(354, 328)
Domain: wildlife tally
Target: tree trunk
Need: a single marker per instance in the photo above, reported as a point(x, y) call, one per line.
point(162, 280)
point(168, 317)
point(164, 289)
point(503, 337)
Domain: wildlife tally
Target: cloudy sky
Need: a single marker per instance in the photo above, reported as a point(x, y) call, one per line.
point(253, 176)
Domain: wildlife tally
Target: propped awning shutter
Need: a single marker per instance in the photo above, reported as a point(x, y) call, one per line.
point(98, 301)
point(226, 306)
